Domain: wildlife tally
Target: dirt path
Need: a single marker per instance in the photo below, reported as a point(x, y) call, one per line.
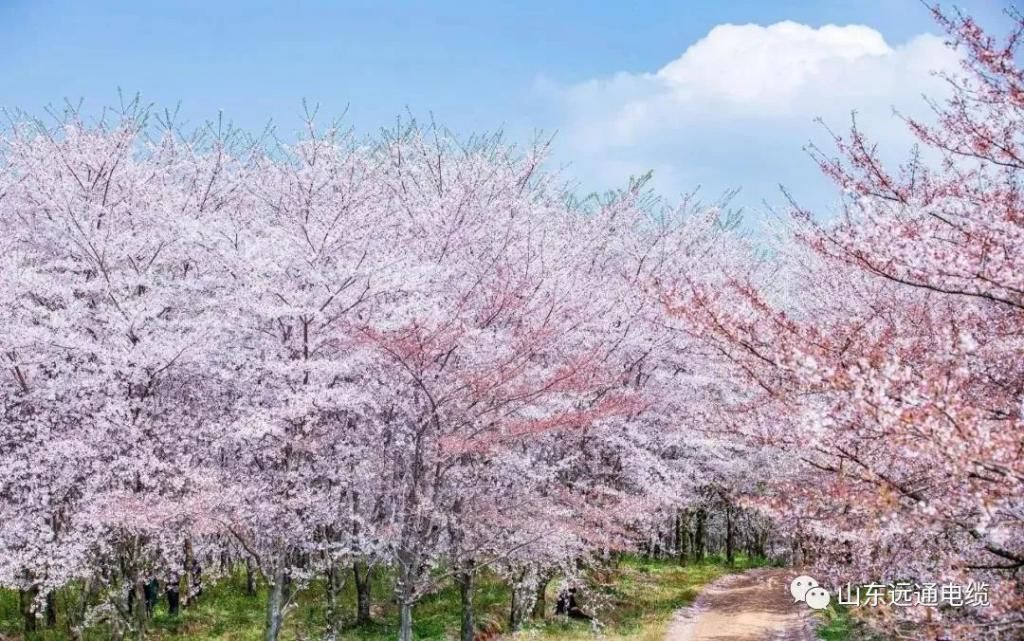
point(753, 606)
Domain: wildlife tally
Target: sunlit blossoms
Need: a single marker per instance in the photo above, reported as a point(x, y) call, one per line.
point(426, 355)
point(885, 356)
point(411, 351)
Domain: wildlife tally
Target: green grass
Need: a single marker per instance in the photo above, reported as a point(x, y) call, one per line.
point(636, 599)
point(840, 624)
point(633, 598)
point(837, 625)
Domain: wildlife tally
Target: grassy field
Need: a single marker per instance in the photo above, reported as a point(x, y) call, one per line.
point(840, 624)
point(837, 625)
point(633, 600)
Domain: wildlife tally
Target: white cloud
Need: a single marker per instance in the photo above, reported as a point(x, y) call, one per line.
point(736, 108)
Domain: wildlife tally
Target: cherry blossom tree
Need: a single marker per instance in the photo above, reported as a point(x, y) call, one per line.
point(882, 352)
point(413, 351)
point(486, 340)
point(105, 349)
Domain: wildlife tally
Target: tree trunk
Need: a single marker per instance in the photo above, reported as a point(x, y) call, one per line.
point(698, 536)
point(334, 585)
point(51, 610)
point(26, 603)
point(362, 576)
point(465, 581)
point(173, 593)
point(152, 591)
point(250, 578)
point(730, 543)
point(275, 605)
point(520, 606)
point(540, 598)
point(76, 615)
point(655, 544)
point(684, 536)
point(513, 611)
point(405, 589)
point(139, 590)
point(190, 563)
point(404, 621)
point(798, 548)
point(197, 580)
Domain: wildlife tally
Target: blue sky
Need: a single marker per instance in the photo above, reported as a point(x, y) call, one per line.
point(579, 68)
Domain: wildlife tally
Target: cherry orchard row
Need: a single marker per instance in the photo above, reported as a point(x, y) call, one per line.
point(888, 352)
point(410, 351)
point(424, 353)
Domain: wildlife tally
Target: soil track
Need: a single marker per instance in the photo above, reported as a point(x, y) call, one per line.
point(753, 606)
